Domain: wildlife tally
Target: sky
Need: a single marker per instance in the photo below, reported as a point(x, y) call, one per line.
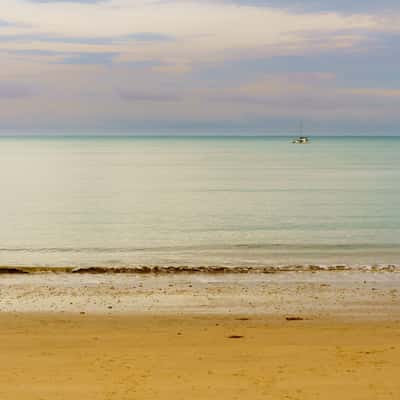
point(201, 67)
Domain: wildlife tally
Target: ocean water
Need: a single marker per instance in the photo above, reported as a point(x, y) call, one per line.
point(240, 201)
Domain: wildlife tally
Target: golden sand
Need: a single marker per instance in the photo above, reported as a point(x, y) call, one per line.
point(62, 356)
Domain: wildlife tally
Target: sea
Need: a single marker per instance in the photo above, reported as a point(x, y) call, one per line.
point(200, 201)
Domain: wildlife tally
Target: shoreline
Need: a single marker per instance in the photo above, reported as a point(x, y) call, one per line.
point(343, 294)
point(192, 269)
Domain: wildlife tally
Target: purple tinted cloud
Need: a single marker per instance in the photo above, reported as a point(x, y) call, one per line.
point(105, 58)
point(48, 38)
point(341, 6)
point(69, 1)
point(5, 23)
point(14, 91)
point(82, 58)
point(134, 96)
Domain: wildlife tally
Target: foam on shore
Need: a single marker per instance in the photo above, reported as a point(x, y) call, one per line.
point(212, 269)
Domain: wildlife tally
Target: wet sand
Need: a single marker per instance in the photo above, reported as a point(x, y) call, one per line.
point(348, 295)
point(280, 336)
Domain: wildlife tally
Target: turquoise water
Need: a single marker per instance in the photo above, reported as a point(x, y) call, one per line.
point(199, 201)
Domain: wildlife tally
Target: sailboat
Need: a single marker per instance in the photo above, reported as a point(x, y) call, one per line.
point(301, 139)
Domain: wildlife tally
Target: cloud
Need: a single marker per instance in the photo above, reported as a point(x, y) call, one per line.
point(34, 52)
point(373, 92)
point(89, 58)
point(71, 57)
point(178, 63)
point(8, 24)
point(340, 6)
point(372, 62)
point(69, 1)
point(9, 90)
point(155, 96)
point(89, 40)
point(142, 63)
point(92, 57)
point(195, 27)
point(146, 37)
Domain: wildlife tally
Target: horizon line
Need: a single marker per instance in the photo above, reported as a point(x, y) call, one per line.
point(97, 135)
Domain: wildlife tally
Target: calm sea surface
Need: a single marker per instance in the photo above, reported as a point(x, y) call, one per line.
point(199, 201)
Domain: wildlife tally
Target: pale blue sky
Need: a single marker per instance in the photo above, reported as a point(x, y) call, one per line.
point(228, 66)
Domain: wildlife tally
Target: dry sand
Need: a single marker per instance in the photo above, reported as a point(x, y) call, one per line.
point(193, 357)
point(200, 337)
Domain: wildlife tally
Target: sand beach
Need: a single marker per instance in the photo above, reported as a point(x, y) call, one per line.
point(275, 336)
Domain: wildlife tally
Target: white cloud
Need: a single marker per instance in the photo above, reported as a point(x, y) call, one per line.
point(203, 29)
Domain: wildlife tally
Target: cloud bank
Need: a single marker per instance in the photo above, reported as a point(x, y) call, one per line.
point(247, 66)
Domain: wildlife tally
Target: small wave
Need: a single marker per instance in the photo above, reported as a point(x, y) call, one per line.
point(12, 270)
point(209, 269)
point(210, 247)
